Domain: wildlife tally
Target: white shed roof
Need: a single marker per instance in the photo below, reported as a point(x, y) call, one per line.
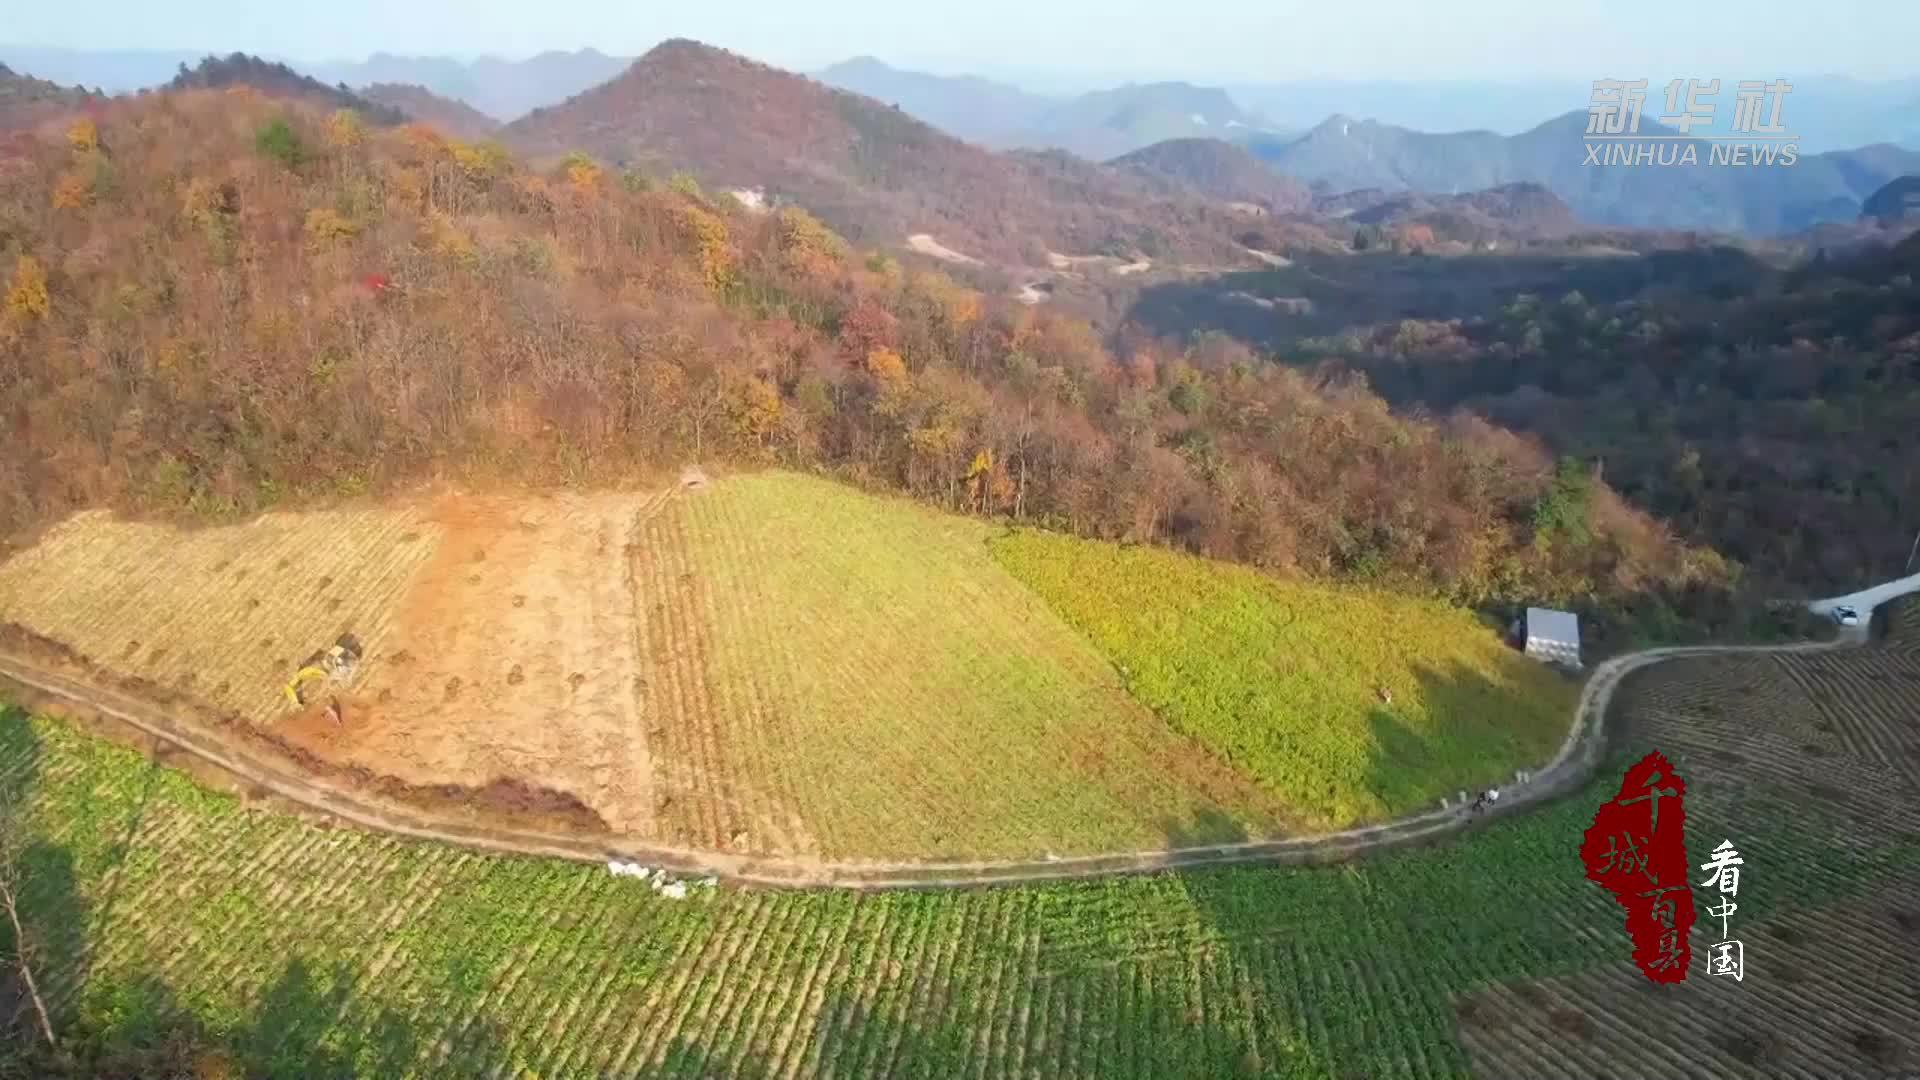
point(1546, 624)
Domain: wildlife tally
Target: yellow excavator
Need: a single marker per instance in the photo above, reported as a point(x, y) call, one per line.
point(334, 664)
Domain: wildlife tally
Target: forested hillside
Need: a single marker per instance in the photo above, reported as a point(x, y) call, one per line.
point(25, 100)
point(218, 302)
point(281, 81)
point(1776, 417)
point(454, 117)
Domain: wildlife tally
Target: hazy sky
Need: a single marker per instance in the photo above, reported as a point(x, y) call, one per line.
point(1214, 40)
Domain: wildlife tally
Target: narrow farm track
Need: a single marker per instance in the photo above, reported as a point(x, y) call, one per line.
point(1570, 766)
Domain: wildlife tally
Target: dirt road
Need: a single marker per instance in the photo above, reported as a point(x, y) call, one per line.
point(1566, 771)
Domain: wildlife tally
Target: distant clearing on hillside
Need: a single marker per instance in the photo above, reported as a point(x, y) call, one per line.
point(925, 244)
point(1291, 682)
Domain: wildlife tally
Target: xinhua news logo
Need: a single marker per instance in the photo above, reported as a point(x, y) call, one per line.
point(1759, 137)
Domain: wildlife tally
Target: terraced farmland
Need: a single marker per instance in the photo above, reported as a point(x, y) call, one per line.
point(777, 664)
point(321, 952)
point(1348, 704)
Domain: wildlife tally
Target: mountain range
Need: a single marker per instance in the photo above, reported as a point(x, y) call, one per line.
point(1098, 125)
point(1828, 112)
point(1344, 154)
point(1338, 154)
point(868, 169)
point(500, 88)
point(503, 89)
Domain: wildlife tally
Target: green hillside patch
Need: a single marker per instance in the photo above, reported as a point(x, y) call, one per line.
point(1285, 681)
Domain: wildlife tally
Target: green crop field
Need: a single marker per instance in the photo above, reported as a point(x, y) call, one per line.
point(311, 952)
point(835, 673)
point(1284, 679)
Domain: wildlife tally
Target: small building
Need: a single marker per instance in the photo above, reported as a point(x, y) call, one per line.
point(1553, 636)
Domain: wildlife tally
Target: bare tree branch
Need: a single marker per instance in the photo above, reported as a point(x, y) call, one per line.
point(12, 842)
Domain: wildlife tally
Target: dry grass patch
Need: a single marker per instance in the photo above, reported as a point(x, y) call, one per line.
point(222, 613)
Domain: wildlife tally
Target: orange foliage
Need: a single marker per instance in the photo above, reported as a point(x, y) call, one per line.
point(344, 129)
point(73, 191)
point(27, 298)
point(887, 367)
point(83, 136)
point(705, 234)
point(583, 175)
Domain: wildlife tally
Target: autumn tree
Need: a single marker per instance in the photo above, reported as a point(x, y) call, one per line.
point(868, 327)
point(757, 410)
point(705, 235)
point(807, 248)
point(83, 136)
point(27, 296)
point(574, 339)
point(582, 172)
point(345, 131)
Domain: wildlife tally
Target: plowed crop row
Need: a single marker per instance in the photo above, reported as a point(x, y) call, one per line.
point(1781, 758)
point(226, 613)
point(829, 672)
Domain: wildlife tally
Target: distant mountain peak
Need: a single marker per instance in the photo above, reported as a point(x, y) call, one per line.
point(859, 64)
point(873, 171)
point(1337, 124)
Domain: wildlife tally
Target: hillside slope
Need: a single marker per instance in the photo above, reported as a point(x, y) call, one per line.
point(1898, 201)
point(1395, 965)
point(1108, 123)
point(1773, 415)
point(871, 171)
point(26, 101)
point(1219, 169)
point(1518, 213)
point(456, 118)
point(975, 109)
point(416, 306)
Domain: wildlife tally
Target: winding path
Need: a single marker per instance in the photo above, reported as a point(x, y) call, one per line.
point(1568, 769)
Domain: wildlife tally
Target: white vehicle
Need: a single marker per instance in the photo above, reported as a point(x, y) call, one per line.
point(1846, 616)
